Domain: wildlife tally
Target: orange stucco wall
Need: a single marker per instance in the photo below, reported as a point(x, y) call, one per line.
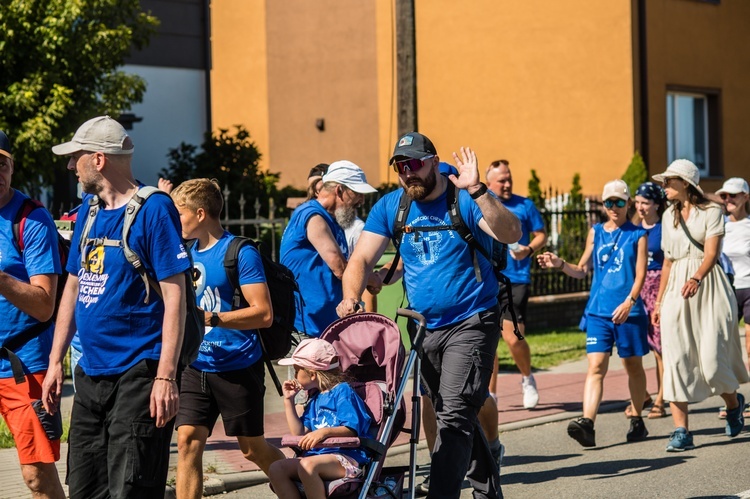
point(239, 82)
point(698, 44)
point(545, 85)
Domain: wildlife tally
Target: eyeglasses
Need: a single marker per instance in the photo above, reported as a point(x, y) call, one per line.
point(620, 203)
point(412, 165)
point(725, 195)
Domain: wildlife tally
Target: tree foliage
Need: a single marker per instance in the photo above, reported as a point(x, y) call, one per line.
point(636, 173)
point(574, 226)
point(60, 67)
point(232, 159)
point(535, 191)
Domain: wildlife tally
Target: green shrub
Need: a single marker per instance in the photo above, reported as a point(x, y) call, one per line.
point(636, 174)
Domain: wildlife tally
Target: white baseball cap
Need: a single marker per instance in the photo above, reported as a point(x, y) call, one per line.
point(100, 134)
point(684, 169)
point(616, 189)
point(348, 174)
point(734, 185)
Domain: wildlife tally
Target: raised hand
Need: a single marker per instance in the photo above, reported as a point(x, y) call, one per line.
point(468, 169)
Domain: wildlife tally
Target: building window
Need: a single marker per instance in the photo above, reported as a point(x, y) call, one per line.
point(691, 129)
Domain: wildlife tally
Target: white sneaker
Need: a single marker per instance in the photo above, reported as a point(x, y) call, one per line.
point(530, 394)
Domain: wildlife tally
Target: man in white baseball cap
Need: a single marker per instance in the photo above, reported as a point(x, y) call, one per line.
point(314, 244)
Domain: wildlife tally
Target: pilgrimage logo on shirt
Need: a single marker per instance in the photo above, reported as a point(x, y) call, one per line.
point(426, 245)
point(92, 280)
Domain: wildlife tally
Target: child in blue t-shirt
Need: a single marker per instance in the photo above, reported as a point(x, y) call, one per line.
point(334, 411)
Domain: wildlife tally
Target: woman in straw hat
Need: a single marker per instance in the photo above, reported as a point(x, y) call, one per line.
point(696, 307)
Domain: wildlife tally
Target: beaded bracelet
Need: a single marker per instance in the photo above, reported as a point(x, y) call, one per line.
point(158, 378)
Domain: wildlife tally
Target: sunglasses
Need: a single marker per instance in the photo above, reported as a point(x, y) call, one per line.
point(725, 195)
point(411, 165)
point(620, 203)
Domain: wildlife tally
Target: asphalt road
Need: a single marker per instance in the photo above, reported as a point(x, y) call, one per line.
point(542, 461)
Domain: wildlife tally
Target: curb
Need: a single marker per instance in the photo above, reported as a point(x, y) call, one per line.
point(214, 485)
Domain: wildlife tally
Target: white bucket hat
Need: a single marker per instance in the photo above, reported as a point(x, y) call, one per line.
point(684, 169)
point(734, 185)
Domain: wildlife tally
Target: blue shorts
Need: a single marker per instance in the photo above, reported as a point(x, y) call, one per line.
point(630, 337)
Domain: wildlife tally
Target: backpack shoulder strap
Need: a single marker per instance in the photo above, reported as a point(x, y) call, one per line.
point(399, 227)
point(231, 259)
point(131, 211)
point(19, 222)
point(459, 225)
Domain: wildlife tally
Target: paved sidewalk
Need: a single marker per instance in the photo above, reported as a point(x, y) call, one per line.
point(560, 395)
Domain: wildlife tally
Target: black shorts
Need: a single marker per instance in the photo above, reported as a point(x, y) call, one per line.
point(520, 301)
point(743, 303)
point(236, 395)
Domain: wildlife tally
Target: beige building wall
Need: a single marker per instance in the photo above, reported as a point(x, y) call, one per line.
point(546, 85)
point(702, 45)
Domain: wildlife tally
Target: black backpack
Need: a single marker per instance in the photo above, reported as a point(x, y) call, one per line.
point(498, 256)
point(194, 320)
point(277, 340)
point(63, 245)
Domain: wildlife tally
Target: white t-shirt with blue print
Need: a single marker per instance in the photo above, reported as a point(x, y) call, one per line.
point(225, 349)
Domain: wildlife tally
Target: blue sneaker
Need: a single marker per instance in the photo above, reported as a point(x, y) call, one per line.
point(679, 440)
point(735, 418)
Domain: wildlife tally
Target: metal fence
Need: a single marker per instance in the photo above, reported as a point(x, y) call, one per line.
point(567, 227)
point(265, 230)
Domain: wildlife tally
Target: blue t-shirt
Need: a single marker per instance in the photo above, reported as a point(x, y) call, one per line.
point(225, 349)
point(615, 256)
point(321, 290)
point(40, 256)
point(339, 406)
point(655, 253)
point(519, 271)
point(117, 329)
point(438, 265)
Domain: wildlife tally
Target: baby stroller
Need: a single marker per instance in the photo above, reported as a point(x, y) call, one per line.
point(370, 350)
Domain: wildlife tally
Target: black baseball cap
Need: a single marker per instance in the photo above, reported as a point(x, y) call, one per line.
point(5, 145)
point(413, 145)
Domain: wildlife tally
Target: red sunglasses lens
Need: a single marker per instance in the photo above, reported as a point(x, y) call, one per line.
point(411, 165)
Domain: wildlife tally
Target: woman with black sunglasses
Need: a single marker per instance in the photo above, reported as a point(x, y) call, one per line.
point(614, 315)
point(696, 307)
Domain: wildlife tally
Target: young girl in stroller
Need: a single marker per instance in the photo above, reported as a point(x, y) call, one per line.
point(335, 410)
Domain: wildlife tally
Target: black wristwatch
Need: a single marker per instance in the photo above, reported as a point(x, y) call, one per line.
point(214, 319)
point(479, 192)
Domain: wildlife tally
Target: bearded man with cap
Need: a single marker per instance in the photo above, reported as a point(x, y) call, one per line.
point(314, 245)
point(126, 382)
point(696, 307)
point(457, 299)
point(28, 287)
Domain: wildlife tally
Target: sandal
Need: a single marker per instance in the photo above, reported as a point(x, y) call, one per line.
point(657, 411)
point(646, 404)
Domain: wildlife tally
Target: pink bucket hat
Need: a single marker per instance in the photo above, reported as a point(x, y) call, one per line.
point(313, 353)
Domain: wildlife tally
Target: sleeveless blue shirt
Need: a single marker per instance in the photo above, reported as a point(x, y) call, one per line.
point(614, 258)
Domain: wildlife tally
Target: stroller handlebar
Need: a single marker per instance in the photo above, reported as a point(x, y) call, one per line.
point(403, 312)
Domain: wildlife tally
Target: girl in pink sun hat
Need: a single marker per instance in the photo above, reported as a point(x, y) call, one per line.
point(334, 410)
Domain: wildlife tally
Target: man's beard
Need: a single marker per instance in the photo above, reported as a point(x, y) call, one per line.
point(419, 189)
point(345, 216)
